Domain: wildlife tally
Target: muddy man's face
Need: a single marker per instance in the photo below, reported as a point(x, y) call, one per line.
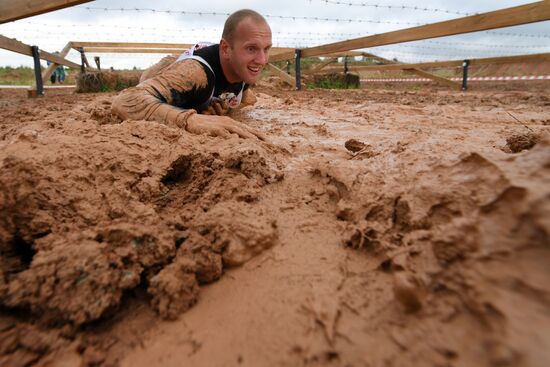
point(247, 55)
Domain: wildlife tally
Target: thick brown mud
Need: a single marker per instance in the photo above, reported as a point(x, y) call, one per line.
point(373, 228)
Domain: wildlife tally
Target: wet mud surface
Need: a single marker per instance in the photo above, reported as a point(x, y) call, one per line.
point(374, 228)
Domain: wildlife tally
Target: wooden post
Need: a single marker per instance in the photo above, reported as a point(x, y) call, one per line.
point(345, 64)
point(51, 68)
point(82, 60)
point(97, 62)
point(37, 73)
point(298, 56)
point(465, 74)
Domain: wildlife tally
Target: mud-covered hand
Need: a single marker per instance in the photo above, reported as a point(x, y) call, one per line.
point(218, 107)
point(220, 126)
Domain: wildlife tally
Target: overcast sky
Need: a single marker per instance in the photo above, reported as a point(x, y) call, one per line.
point(90, 22)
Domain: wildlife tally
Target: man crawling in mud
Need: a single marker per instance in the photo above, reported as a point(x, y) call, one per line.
point(197, 90)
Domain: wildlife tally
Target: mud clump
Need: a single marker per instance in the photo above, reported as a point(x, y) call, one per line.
point(408, 292)
point(207, 258)
point(354, 146)
point(174, 288)
point(520, 142)
point(81, 229)
point(237, 230)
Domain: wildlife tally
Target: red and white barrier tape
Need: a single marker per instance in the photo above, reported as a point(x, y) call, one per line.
point(479, 79)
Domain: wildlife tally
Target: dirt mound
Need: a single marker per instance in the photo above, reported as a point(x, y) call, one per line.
point(87, 220)
point(374, 228)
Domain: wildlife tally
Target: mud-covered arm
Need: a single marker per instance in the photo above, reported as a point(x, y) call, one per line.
point(157, 99)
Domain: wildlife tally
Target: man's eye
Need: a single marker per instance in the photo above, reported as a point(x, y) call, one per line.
point(251, 49)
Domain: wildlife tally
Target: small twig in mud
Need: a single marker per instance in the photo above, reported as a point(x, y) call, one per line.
point(351, 308)
point(250, 266)
point(521, 122)
point(327, 318)
point(344, 270)
point(400, 343)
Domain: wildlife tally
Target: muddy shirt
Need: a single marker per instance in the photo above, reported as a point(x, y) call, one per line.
point(178, 90)
point(218, 85)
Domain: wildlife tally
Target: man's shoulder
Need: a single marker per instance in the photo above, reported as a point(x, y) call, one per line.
point(185, 72)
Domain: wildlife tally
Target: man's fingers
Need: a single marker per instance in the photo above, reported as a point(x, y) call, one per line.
point(220, 132)
point(247, 132)
point(209, 111)
point(241, 132)
point(218, 108)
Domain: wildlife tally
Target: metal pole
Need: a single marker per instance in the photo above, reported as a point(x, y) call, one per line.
point(37, 71)
point(82, 69)
point(465, 65)
point(345, 64)
point(298, 54)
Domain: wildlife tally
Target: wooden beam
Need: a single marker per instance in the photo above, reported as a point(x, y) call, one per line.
point(455, 63)
point(423, 73)
point(151, 45)
point(20, 47)
point(135, 50)
point(436, 78)
point(321, 66)
point(524, 14)
point(18, 9)
point(78, 44)
point(281, 74)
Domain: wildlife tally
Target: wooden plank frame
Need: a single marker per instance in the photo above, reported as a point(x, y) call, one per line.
point(134, 50)
point(524, 14)
point(321, 66)
point(24, 49)
point(281, 74)
point(11, 10)
point(51, 68)
point(453, 63)
point(425, 74)
point(78, 44)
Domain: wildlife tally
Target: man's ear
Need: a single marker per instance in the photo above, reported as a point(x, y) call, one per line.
point(224, 48)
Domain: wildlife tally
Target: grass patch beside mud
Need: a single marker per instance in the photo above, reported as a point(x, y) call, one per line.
point(24, 75)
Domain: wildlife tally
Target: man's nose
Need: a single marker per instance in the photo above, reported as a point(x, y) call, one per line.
point(262, 57)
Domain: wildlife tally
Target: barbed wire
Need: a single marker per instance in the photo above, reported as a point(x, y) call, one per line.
point(468, 46)
point(395, 7)
point(194, 29)
point(185, 12)
point(514, 34)
point(324, 35)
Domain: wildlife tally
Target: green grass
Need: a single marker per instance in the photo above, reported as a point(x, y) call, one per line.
point(24, 75)
point(21, 75)
point(331, 84)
